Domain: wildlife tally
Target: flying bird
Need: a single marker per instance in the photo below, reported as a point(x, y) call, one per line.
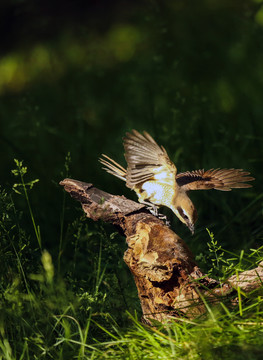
point(154, 178)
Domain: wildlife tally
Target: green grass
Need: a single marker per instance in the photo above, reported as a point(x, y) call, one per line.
point(60, 310)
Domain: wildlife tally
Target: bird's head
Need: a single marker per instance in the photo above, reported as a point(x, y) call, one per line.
point(185, 211)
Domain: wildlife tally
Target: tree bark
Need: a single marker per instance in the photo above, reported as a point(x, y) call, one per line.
point(170, 284)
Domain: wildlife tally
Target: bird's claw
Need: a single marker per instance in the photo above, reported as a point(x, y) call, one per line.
point(154, 211)
point(164, 218)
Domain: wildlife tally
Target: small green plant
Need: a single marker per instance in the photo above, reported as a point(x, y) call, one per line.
point(20, 172)
point(220, 266)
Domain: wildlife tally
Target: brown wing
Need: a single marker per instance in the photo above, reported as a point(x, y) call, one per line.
point(219, 179)
point(147, 160)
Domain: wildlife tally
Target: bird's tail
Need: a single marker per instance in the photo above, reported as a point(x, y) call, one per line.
point(113, 168)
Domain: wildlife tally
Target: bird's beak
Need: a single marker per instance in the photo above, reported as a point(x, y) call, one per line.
point(191, 227)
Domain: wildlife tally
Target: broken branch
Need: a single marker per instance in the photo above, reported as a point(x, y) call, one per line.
point(169, 282)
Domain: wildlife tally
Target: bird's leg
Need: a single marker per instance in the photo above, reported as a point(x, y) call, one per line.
point(142, 197)
point(151, 207)
point(154, 210)
point(164, 218)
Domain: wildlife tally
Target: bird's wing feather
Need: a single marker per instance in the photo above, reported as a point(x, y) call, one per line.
point(146, 160)
point(219, 179)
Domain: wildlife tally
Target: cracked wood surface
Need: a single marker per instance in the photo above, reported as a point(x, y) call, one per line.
point(169, 282)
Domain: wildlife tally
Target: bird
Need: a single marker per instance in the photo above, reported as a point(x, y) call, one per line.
point(154, 178)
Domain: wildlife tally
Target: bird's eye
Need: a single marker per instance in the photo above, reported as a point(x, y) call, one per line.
point(182, 213)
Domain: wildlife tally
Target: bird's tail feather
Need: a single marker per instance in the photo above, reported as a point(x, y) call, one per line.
point(113, 168)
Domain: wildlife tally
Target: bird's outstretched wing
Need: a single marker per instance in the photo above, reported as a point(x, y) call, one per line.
point(147, 160)
point(219, 179)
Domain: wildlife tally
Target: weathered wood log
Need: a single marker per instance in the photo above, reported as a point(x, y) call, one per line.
point(170, 284)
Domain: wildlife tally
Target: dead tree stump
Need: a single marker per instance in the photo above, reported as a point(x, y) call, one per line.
point(170, 284)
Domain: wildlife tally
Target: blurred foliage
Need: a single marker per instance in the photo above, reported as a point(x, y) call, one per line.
point(75, 76)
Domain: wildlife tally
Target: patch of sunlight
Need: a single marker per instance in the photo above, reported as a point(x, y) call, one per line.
point(43, 61)
point(123, 40)
point(8, 67)
point(259, 16)
point(46, 62)
point(10, 74)
point(40, 57)
point(17, 70)
point(226, 96)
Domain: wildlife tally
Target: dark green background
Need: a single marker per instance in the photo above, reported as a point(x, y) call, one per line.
point(76, 75)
